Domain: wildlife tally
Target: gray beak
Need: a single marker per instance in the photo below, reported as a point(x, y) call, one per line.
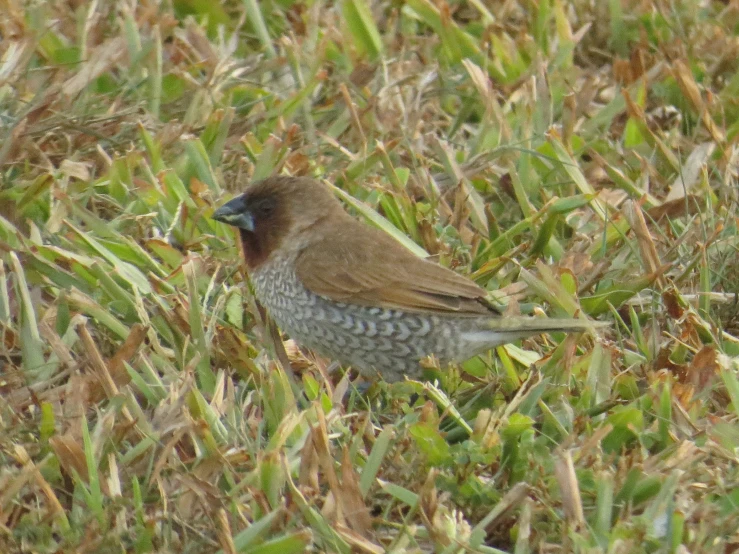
point(235, 213)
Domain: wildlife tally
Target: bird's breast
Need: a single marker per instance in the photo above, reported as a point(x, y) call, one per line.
point(370, 339)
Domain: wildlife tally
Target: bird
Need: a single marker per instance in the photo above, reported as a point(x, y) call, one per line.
point(352, 293)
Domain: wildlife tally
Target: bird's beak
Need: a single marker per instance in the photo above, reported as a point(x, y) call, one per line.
point(235, 213)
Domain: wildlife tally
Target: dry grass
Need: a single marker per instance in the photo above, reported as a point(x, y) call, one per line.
point(572, 155)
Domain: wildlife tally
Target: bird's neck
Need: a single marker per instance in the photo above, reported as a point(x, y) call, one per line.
point(260, 252)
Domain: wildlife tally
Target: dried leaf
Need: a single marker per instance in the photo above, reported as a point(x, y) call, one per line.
point(647, 248)
point(103, 57)
point(689, 87)
point(564, 472)
point(691, 171)
point(70, 454)
point(355, 509)
point(704, 368)
point(78, 170)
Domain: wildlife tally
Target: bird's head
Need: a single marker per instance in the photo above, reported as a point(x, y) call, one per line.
point(273, 213)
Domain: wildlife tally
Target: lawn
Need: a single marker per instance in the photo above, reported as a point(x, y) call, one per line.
point(570, 157)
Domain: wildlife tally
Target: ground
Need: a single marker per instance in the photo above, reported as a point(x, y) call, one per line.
point(573, 158)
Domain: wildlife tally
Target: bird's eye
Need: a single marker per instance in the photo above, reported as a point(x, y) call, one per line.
point(266, 208)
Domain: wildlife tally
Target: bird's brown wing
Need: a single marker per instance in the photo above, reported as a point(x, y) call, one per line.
point(369, 268)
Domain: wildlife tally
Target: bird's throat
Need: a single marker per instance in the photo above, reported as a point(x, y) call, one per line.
point(254, 248)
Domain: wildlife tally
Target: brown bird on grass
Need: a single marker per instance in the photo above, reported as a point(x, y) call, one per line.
point(353, 294)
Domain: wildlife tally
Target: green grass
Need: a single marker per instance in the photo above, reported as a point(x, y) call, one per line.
point(572, 156)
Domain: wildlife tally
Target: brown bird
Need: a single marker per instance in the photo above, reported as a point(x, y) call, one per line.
point(354, 294)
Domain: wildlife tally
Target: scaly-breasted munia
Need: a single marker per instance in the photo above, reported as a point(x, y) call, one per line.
point(354, 294)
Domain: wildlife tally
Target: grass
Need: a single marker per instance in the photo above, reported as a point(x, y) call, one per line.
point(568, 156)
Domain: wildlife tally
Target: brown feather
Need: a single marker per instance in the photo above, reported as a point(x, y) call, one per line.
point(353, 263)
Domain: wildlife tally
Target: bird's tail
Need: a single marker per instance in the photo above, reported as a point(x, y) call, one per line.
point(544, 324)
point(502, 330)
